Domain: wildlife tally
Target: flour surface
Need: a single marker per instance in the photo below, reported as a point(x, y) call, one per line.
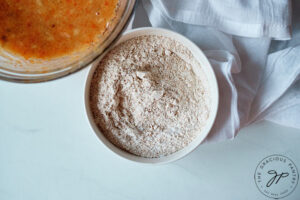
point(146, 98)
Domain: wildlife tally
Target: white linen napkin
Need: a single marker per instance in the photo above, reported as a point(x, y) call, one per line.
point(255, 18)
point(235, 35)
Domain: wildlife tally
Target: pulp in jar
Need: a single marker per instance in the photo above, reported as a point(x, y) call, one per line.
point(46, 29)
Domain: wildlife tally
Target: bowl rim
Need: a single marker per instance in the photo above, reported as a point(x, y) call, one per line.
point(116, 32)
point(214, 90)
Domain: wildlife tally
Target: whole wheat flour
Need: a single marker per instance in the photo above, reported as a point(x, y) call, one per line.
point(146, 98)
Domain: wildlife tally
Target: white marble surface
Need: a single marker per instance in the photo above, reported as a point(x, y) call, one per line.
point(49, 151)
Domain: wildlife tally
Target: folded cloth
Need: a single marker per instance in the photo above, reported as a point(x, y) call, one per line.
point(235, 35)
point(255, 18)
point(278, 98)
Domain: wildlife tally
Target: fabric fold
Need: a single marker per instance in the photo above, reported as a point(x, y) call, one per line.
point(235, 35)
point(255, 18)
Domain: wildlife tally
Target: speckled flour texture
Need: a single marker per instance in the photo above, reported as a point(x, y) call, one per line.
point(146, 98)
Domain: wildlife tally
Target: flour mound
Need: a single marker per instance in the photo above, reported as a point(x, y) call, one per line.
point(146, 98)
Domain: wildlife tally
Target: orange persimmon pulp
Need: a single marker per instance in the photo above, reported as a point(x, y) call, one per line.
point(46, 29)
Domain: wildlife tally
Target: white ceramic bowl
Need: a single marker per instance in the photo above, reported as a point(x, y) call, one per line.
point(201, 58)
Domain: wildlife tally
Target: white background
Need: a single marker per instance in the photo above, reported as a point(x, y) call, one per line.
point(49, 151)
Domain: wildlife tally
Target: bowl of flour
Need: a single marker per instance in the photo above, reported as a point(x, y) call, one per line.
point(152, 97)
